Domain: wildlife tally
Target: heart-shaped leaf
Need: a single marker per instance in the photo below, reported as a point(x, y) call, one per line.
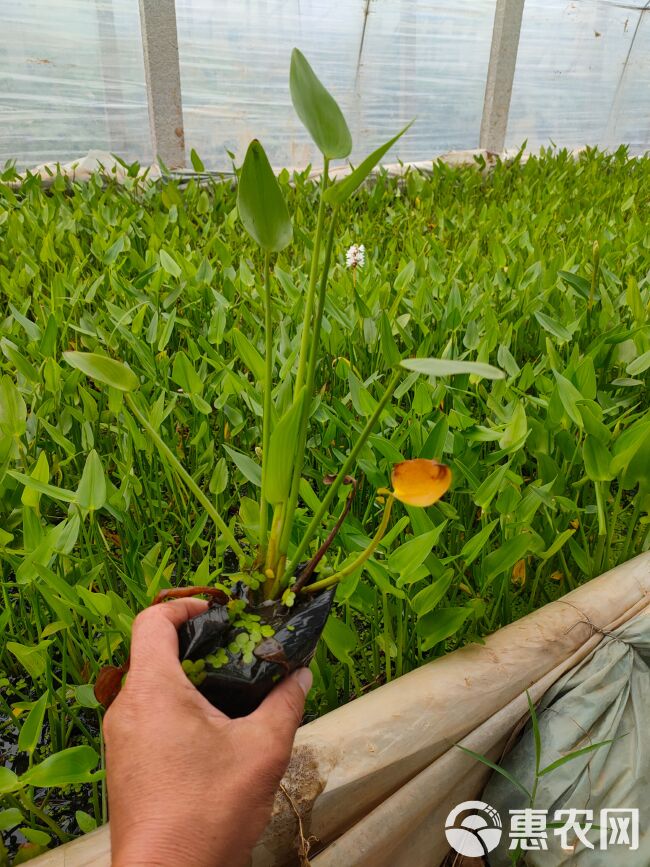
point(260, 202)
point(318, 110)
point(70, 766)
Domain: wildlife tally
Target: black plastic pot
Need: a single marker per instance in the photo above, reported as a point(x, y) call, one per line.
point(238, 687)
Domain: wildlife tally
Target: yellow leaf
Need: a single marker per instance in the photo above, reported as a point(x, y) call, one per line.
point(519, 573)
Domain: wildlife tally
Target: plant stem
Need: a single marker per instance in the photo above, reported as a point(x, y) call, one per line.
point(271, 585)
point(388, 637)
point(28, 804)
point(221, 525)
point(311, 374)
point(360, 560)
point(600, 505)
point(613, 517)
point(343, 472)
point(313, 273)
point(268, 386)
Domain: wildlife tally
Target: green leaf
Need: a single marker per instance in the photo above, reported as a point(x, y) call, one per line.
point(473, 547)
point(639, 365)
point(554, 327)
point(411, 554)
point(115, 249)
point(85, 695)
point(340, 192)
point(581, 284)
point(91, 493)
point(197, 165)
point(388, 345)
point(8, 780)
point(484, 760)
point(169, 265)
point(515, 431)
point(450, 367)
point(86, 822)
point(32, 483)
point(248, 468)
point(505, 557)
point(33, 659)
point(597, 460)
point(569, 396)
point(30, 731)
point(40, 838)
point(41, 473)
point(558, 543)
point(630, 442)
point(278, 464)
point(103, 369)
point(426, 600)
point(318, 110)
point(260, 202)
point(65, 768)
point(9, 819)
point(185, 376)
point(439, 625)
point(490, 487)
point(249, 355)
point(574, 755)
point(13, 416)
point(537, 737)
point(340, 639)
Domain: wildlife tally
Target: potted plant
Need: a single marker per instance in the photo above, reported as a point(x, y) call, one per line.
point(264, 619)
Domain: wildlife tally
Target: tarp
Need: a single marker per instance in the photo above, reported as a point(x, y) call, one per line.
point(605, 698)
point(374, 780)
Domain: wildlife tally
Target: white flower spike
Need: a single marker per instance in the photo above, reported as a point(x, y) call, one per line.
point(356, 256)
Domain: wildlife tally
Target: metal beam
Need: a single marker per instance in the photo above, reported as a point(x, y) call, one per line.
point(501, 73)
point(163, 77)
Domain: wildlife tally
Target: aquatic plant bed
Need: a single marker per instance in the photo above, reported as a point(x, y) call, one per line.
point(541, 269)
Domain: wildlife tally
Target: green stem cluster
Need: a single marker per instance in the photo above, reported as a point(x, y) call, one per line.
point(327, 500)
point(209, 507)
point(268, 388)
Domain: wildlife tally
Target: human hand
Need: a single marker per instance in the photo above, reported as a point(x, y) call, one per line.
point(186, 784)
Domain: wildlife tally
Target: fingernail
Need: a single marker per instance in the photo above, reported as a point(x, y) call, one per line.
point(304, 679)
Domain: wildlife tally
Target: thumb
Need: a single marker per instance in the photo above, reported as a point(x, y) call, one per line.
point(282, 710)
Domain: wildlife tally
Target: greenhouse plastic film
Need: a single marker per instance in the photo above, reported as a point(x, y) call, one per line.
point(73, 80)
point(582, 75)
point(387, 63)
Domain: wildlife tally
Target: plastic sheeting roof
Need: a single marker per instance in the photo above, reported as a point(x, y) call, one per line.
point(73, 75)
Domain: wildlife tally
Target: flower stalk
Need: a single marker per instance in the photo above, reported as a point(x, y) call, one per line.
point(331, 580)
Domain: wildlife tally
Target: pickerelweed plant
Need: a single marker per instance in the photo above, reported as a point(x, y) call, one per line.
point(286, 561)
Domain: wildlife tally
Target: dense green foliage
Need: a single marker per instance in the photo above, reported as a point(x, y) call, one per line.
point(542, 269)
